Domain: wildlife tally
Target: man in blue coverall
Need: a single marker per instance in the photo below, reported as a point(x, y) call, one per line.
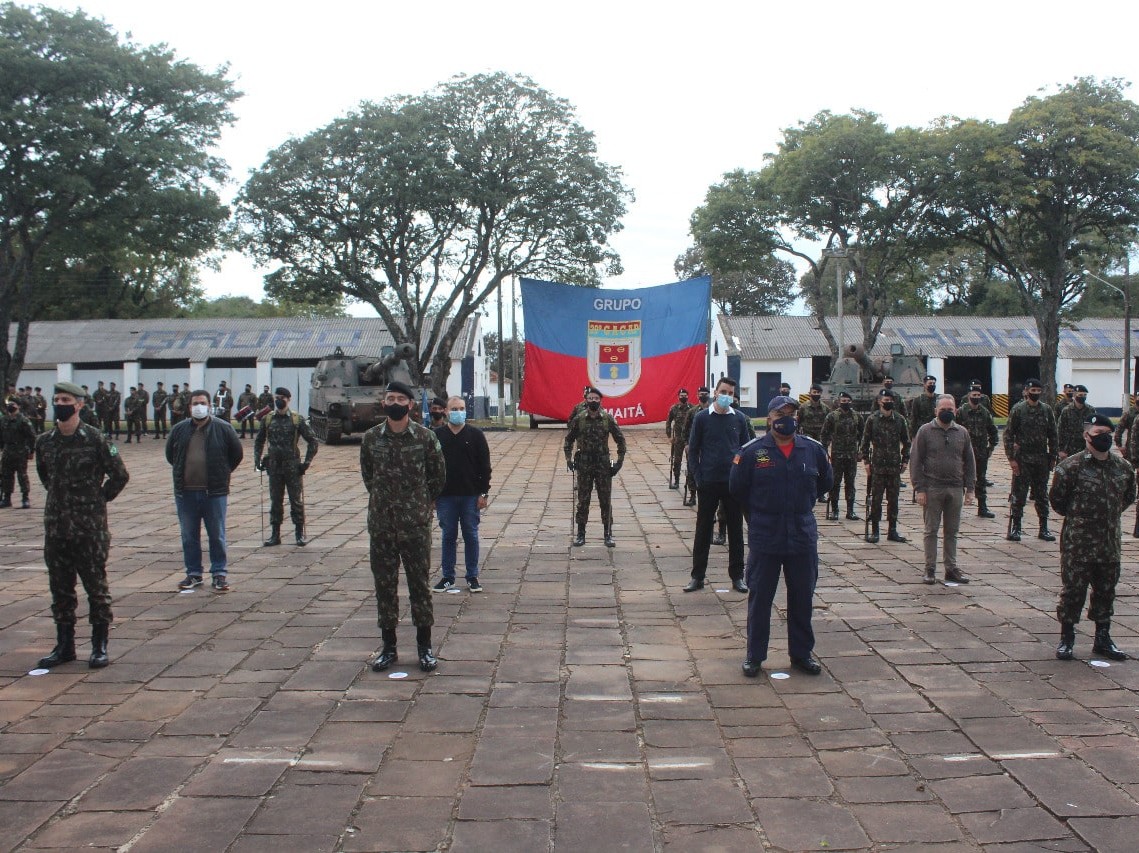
point(777, 479)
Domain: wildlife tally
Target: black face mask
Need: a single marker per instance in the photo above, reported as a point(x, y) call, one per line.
point(62, 412)
point(703, 398)
point(844, 406)
point(976, 401)
point(396, 411)
point(816, 397)
point(945, 416)
point(1101, 443)
point(888, 405)
point(930, 388)
point(280, 403)
point(436, 416)
point(1081, 398)
point(1033, 395)
point(593, 405)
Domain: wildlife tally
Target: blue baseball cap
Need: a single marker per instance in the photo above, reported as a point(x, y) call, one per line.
point(781, 401)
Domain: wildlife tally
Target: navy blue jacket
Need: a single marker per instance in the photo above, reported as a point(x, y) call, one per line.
point(778, 493)
point(713, 442)
point(223, 453)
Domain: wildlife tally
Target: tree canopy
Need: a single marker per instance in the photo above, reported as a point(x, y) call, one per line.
point(769, 288)
point(421, 206)
point(105, 159)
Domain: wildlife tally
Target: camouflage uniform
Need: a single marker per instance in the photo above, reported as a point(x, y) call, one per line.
point(984, 437)
point(1030, 440)
point(842, 430)
point(591, 434)
point(281, 433)
point(1070, 428)
point(1091, 495)
point(177, 408)
point(404, 472)
point(132, 406)
point(921, 411)
point(1123, 430)
point(159, 400)
point(41, 412)
point(685, 433)
point(812, 416)
point(144, 399)
point(113, 421)
point(674, 429)
point(985, 403)
point(82, 473)
point(89, 417)
point(886, 446)
point(18, 441)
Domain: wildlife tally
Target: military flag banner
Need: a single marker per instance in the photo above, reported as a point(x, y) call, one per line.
point(635, 346)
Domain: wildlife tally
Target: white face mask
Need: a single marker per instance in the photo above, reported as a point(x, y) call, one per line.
point(199, 411)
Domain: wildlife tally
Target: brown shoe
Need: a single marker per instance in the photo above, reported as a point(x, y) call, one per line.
point(955, 576)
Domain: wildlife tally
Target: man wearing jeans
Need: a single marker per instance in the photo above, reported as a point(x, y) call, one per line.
point(465, 492)
point(202, 451)
point(944, 474)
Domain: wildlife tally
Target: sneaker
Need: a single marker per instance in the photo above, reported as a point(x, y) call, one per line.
point(220, 583)
point(190, 581)
point(443, 585)
point(473, 585)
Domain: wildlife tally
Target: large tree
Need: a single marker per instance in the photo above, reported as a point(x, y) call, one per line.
point(1050, 191)
point(846, 181)
point(104, 148)
point(767, 288)
point(422, 206)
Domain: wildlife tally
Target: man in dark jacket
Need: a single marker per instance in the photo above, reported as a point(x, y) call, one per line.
point(203, 451)
point(778, 479)
point(464, 494)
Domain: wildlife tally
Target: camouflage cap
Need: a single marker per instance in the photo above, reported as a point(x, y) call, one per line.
point(69, 388)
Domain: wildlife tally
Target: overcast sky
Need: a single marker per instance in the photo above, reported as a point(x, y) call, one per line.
point(676, 96)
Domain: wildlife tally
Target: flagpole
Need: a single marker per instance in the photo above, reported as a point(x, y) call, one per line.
point(708, 340)
point(514, 390)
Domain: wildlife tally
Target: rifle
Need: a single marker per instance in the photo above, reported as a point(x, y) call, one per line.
point(261, 491)
point(866, 517)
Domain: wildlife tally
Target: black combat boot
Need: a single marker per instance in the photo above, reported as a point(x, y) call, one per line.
point(579, 540)
point(983, 510)
point(301, 541)
point(5, 500)
point(1066, 648)
point(1135, 532)
point(25, 503)
point(274, 535)
point(1103, 644)
point(64, 651)
point(832, 510)
point(387, 654)
point(851, 515)
point(721, 538)
point(610, 542)
point(100, 632)
point(1045, 533)
point(873, 537)
point(427, 661)
point(1014, 528)
point(893, 535)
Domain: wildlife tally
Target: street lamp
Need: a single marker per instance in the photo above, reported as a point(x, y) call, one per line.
point(1126, 294)
point(838, 255)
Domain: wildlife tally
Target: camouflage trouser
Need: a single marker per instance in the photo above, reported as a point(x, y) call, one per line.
point(689, 478)
point(981, 490)
point(676, 460)
point(387, 548)
point(1076, 576)
point(70, 556)
point(160, 421)
point(888, 480)
point(13, 467)
point(1033, 477)
point(286, 475)
point(589, 475)
point(107, 422)
point(845, 470)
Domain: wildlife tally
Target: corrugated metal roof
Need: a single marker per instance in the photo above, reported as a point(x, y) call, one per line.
point(769, 338)
point(80, 341)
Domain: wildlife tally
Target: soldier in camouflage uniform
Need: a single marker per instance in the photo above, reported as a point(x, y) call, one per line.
point(41, 411)
point(404, 471)
point(1030, 444)
point(1070, 424)
point(114, 421)
point(813, 414)
point(580, 406)
point(922, 406)
point(986, 403)
point(18, 443)
point(279, 439)
point(984, 437)
point(885, 450)
point(685, 433)
point(842, 430)
point(248, 400)
point(159, 400)
point(674, 430)
point(144, 398)
point(1091, 489)
point(591, 431)
point(176, 404)
point(131, 406)
point(1066, 400)
point(82, 473)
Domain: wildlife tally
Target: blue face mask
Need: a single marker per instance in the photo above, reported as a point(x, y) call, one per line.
point(457, 418)
point(785, 425)
point(724, 401)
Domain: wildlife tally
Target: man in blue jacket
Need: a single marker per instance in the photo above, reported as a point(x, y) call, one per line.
point(716, 436)
point(203, 451)
point(778, 479)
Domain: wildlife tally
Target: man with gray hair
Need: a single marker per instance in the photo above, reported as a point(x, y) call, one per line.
point(944, 473)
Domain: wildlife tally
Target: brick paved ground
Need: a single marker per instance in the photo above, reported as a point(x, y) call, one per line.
point(582, 702)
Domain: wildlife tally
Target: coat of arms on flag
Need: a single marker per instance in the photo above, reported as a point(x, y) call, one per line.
point(614, 355)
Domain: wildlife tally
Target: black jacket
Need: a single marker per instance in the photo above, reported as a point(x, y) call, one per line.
point(468, 461)
point(223, 453)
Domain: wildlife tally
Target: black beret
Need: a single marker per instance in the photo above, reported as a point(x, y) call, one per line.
point(845, 394)
point(1036, 383)
point(1098, 420)
point(593, 390)
point(1083, 388)
point(816, 387)
point(438, 401)
point(284, 392)
point(702, 390)
point(928, 378)
point(683, 391)
point(398, 387)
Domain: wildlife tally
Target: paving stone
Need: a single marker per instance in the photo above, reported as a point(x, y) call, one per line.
point(306, 809)
point(794, 824)
point(1013, 825)
point(398, 777)
point(243, 776)
point(606, 782)
point(197, 824)
point(863, 762)
point(784, 777)
point(589, 827)
point(705, 801)
point(402, 824)
point(513, 802)
point(60, 775)
point(479, 836)
point(138, 783)
point(512, 761)
point(21, 818)
point(711, 839)
point(915, 823)
point(92, 829)
point(1068, 788)
point(286, 844)
point(1107, 834)
point(981, 793)
point(883, 789)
